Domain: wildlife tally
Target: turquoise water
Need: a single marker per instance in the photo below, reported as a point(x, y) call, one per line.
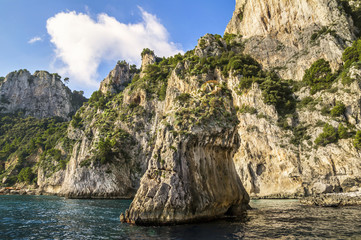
point(46, 217)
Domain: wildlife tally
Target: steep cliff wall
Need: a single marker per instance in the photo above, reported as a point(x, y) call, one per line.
point(190, 135)
point(289, 36)
point(40, 95)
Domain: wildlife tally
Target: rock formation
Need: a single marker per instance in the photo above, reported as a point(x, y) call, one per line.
point(190, 176)
point(190, 135)
point(117, 79)
point(288, 36)
point(40, 95)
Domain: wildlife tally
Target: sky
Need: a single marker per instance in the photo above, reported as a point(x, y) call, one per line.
point(83, 39)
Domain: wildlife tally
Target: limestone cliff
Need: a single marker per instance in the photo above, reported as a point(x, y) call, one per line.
point(188, 136)
point(40, 95)
point(191, 175)
point(289, 36)
point(118, 78)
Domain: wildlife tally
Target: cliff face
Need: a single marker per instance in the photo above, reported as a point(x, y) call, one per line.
point(278, 155)
point(289, 36)
point(191, 175)
point(190, 135)
point(40, 95)
point(117, 79)
point(156, 129)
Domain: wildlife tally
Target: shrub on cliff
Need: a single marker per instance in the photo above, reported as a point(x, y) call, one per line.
point(76, 121)
point(352, 54)
point(26, 175)
point(329, 135)
point(338, 110)
point(319, 76)
point(146, 51)
point(277, 92)
point(357, 140)
point(342, 131)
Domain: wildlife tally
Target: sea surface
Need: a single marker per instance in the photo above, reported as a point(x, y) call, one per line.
point(48, 217)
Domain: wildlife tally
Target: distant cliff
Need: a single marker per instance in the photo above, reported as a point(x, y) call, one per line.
point(39, 95)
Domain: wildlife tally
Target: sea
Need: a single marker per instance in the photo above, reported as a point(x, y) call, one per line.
point(50, 217)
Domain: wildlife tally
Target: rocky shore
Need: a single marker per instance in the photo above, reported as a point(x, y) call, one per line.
point(18, 191)
point(334, 199)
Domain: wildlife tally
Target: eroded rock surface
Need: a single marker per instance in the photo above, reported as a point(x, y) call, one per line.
point(39, 95)
point(289, 36)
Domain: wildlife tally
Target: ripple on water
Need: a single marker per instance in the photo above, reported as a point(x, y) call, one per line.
point(46, 217)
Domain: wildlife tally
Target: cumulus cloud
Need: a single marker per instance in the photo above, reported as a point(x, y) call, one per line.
point(82, 44)
point(34, 40)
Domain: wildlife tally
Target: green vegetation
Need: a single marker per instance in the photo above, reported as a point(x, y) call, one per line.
point(278, 92)
point(2, 79)
point(26, 175)
point(115, 144)
point(357, 140)
point(332, 135)
point(319, 76)
point(321, 32)
point(212, 109)
point(299, 135)
point(21, 138)
point(342, 132)
point(76, 121)
point(155, 81)
point(146, 51)
point(183, 98)
point(329, 135)
point(338, 110)
point(247, 109)
point(352, 54)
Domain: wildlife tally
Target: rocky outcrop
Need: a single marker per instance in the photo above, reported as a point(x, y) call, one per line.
point(282, 160)
point(190, 178)
point(40, 95)
point(288, 36)
point(97, 168)
point(334, 199)
point(117, 79)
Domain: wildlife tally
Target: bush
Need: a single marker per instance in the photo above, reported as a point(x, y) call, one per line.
point(76, 121)
point(319, 76)
point(329, 135)
point(105, 152)
point(162, 92)
point(323, 31)
point(26, 175)
point(146, 51)
point(357, 140)
point(247, 109)
point(342, 132)
point(338, 110)
point(229, 38)
point(183, 98)
point(352, 54)
point(278, 93)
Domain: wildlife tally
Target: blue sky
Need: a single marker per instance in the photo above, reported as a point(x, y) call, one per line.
point(83, 40)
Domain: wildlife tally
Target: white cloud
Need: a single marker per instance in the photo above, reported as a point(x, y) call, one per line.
point(35, 39)
point(82, 43)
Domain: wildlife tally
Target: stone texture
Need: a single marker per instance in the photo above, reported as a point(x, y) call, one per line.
point(269, 165)
point(117, 79)
point(279, 33)
point(196, 181)
point(334, 199)
point(40, 95)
